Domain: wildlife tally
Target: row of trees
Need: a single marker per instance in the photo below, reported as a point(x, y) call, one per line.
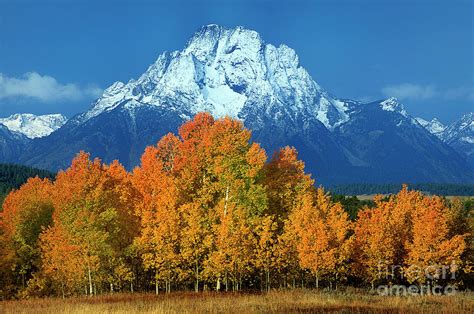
point(391, 188)
point(13, 176)
point(205, 210)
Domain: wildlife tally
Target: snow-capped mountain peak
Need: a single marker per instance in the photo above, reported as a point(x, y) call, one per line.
point(462, 129)
point(33, 126)
point(392, 104)
point(434, 126)
point(234, 72)
point(228, 72)
point(460, 136)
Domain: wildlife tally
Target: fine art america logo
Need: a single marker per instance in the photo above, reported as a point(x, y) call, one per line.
point(429, 279)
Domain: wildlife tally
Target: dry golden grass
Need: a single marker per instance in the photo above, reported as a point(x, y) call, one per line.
point(298, 301)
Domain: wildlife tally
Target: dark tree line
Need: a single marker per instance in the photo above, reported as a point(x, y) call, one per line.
point(443, 189)
point(13, 176)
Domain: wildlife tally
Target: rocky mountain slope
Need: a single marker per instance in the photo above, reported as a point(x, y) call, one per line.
point(234, 72)
point(12, 145)
point(33, 126)
point(460, 136)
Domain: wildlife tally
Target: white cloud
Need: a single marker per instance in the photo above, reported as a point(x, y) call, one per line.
point(459, 93)
point(44, 88)
point(409, 91)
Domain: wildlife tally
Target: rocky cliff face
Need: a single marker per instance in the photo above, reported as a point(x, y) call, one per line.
point(233, 72)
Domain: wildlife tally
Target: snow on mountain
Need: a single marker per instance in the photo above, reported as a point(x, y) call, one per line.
point(434, 126)
point(33, 126)
point(228, 72)
point(234, 72)
point(460, 136)
point(386, 144)
point(392, 104)
point(462, 129)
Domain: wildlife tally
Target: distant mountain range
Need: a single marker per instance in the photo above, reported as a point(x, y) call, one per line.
point(234, 72)
point(460, 136)
point(33, 126)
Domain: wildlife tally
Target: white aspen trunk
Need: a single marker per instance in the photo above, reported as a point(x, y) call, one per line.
point(90, 279)
point(226, 282)
point(226, 200)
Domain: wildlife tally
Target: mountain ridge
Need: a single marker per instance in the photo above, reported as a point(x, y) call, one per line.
point(233, 72)
point(34, 126)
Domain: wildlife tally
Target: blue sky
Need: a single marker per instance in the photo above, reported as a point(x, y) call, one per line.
point(56, 56)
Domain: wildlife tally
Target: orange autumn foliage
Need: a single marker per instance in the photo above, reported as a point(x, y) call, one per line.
point(433, 255)
point(204, 210)
point(26, 213)
point(323, 241)
point(93, 220)
point(410, 236)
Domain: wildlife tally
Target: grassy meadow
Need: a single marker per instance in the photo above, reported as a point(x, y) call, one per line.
point(296, 301)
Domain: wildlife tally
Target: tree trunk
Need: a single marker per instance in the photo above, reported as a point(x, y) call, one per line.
point(317, 282)
point(131, 286)
point(218, 284)
point(226, 200)
point(196, 288)
point(268, 280)
point(226, 283)
point(90, 279)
